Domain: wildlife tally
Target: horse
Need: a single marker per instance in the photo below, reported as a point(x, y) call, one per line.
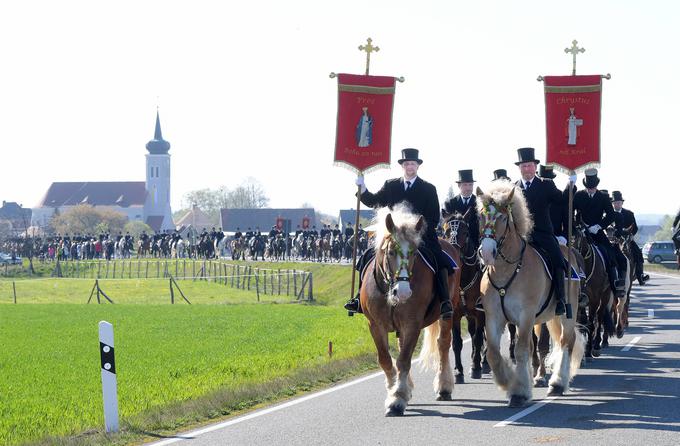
point(336, 248)
point(257, 247)
point(237, 249)
point(620, 308)
point(597, 288)
point(456, 227)
point(516, 289)
point(143, 247)
point(398, 294)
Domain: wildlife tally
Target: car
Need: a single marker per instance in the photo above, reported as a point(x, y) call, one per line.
point(659, 251)
point(7, 259)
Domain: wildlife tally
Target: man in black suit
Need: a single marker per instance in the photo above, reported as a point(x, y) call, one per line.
point(676, 233)
point(500, 174)
point(422, 197)
point(594, 209)
point(541, 195)
point(625, 224)
point(559, 215)
point(463, 201)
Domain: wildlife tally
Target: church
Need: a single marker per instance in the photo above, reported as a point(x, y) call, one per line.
point(147, 201)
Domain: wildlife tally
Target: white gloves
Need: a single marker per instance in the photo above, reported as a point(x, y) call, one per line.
point(572, 179)
point(561, 240)
point(360, 182)
point(594, 229)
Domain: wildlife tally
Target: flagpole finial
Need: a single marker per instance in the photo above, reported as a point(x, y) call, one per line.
point(574, 50)
point(369, 48)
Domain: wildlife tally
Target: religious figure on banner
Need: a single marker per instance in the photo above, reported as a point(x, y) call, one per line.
point(364, 133)
point(573, 127)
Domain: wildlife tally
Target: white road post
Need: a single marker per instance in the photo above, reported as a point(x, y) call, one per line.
point(109, 383)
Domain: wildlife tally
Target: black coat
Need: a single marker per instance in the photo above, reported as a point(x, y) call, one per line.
point(593, 211)
point(456, 204)
point(625, 221)
point(540, 197)
point(421, 196)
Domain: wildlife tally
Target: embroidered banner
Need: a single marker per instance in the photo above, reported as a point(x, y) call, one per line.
point(364, 124)
point(572, 116)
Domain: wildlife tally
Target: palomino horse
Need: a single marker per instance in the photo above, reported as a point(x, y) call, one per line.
point(457, 230)
point(516, 289)
point(398, 294)
point(238, 249)
point(598, 289)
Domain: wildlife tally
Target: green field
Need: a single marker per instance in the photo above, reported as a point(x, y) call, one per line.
point(227, 357)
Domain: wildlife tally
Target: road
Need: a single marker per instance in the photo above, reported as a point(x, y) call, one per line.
point(630, 395)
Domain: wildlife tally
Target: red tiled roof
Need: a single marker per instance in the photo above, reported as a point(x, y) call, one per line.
point(96, 193)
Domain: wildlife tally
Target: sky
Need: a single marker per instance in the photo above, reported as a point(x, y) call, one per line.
point(243, 91)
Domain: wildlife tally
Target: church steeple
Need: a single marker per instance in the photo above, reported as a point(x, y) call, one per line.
point(158, 146)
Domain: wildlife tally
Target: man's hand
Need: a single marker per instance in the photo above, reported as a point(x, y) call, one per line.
point(594, 229)
point(572, 179)
point(359, 181)
point(561, 240)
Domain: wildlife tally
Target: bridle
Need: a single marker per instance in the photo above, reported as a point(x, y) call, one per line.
point(490, 214)
point(386, 276)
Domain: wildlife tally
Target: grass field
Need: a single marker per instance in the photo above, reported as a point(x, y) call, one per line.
point(166, 356)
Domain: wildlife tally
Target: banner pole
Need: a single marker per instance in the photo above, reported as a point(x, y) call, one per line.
point(354, 245)
point(569, 234)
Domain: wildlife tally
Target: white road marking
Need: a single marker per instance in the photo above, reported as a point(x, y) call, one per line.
point(667, 276)
point(193, 434)
point(650, 313)
point(631, 344)
point(525, 412)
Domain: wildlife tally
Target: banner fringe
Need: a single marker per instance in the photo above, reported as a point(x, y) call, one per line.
point(351, 168)
point(580, 169)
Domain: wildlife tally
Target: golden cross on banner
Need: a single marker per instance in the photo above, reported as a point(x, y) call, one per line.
point(574, 50)
point(369, 48)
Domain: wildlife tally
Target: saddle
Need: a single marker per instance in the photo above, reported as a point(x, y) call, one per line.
point(550, 268)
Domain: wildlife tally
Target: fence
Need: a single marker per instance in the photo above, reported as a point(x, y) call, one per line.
point(263, 281)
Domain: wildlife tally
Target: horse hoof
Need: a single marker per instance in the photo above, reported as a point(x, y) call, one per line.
point(619, 333)
point(394, 411)
point(459, 379)
point(476, 373)
point(596, 353)
point(540, 382)
point(517, 401)
point(556, 390)
point(444, 396)
point(486, 368)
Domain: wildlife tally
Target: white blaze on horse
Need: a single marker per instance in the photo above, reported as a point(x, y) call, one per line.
point(516, 289)
point(398, 294)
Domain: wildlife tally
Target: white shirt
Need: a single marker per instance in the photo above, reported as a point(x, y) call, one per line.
point(411, 180)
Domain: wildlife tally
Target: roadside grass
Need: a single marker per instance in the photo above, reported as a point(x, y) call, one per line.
point(175, 365)
point(664, 268)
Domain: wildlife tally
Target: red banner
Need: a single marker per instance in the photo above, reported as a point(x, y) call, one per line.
point(572, 115)
point(279, 223)
point(364, 126)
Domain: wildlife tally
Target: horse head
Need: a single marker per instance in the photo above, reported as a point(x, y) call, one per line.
point(397, 248)
point(502, 213)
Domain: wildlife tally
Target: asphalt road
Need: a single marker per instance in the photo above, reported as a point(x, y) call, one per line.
point(628, 396)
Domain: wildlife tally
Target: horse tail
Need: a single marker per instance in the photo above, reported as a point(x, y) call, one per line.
point(429, 353)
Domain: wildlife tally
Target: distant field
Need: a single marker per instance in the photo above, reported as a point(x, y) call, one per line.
point(166, 356)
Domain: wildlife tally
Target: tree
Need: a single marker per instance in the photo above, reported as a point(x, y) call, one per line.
point(135, 228)
point(86, 219)
point(248, 195)
point(666, 231)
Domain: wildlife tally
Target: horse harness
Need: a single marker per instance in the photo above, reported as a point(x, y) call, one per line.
point(386, 278)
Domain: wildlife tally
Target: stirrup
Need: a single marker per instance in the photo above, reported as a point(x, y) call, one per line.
point(445, 310)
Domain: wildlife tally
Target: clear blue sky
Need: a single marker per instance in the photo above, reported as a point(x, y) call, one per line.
point(243, 90)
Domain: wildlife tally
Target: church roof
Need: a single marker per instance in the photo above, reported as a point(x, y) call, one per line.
point(155, 222)
point(158, 146)
point(95, 193)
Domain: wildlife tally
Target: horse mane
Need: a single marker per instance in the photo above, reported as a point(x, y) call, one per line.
point(404, 221)
point(497, 193)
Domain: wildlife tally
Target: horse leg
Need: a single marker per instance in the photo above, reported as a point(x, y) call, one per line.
point(476, 337)
point(400, 394)
point(443, 383)
point(380, 338)
point(512, 330)
point(457, 348)
point(502, 371)
point(520, 387)
point(541, 350)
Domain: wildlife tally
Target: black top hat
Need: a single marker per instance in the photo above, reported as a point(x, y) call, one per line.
point(526, 155)
point(410, 155)
point(591, 180)
point(465, 176)
point(546, 172)
point(616, 196)
point(500, 174)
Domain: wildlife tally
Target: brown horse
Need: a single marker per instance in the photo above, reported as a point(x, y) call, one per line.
point(599, 292)
point(398, 294)
point(457, 230)
point(516, 289)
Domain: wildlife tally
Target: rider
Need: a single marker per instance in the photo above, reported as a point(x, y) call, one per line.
point(625, 224)
point(238, 234)
point(422, 197)
point(676, 233)
point(540, 195)
point(336, 231)
point(249, 234)
point(349, 231)
point(596, 212)
point(298, 231)
point(500, 174)
point(559, 215)
point(465, 200)
point(272, 233)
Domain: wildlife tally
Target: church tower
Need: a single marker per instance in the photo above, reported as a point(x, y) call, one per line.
point(157, 212)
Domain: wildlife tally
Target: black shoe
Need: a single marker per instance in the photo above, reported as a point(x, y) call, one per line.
point(353, 306)
point(583, 300)
point(559, 308)
point(446, 310)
